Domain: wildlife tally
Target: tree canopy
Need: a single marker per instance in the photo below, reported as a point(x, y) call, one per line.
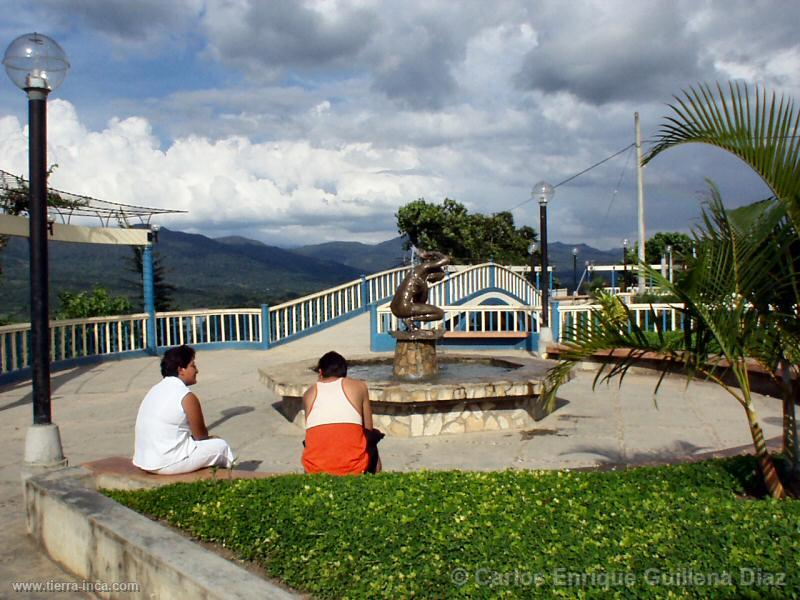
point(467, 237)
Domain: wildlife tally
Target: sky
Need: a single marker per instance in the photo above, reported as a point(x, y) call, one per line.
point(300, 122)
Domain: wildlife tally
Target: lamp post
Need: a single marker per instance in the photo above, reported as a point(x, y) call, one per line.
point(37, 65)
point(543, 192)
point(669, 256)
point(624, 286)
point(575, 270)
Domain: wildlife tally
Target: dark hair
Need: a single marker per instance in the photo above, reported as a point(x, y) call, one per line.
point(332, 364)
point(176, 358)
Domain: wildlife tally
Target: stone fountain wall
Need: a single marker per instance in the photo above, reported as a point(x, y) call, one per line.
point(437, 418)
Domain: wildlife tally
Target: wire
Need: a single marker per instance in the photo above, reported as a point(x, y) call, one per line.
point(616, 188)
point(586, 170)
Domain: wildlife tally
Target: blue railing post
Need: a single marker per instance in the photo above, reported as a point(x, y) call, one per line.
point(554, 322)
point(613, 278)
point(492, 275)
point(549, 278)
point(149, 299)
point(364, 293)
point(373, 327)
point(266, 329)
point(447, 292)
point(538, 287)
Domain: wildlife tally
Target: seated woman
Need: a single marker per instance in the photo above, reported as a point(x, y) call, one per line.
point(339, 423)
point(171, 434)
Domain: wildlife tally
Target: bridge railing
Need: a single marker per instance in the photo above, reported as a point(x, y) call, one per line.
point(475, 319)
point(263, 326)
point(649, 317)
point(208, 326)
point(74, 338)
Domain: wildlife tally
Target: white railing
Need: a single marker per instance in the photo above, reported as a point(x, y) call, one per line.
point(208, 326)
point(382, 285)
point(74, 338)
point(78, 338)
point(292, 318)
point(649, 317)
point(472, 319)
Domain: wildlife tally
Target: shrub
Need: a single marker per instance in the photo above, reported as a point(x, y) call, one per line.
point(649, 532)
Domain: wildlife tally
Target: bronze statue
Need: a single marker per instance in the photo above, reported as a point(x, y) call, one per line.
point(410, 299)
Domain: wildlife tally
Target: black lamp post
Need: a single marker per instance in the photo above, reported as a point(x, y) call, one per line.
point(36, 64)
point(575, 270)
point(543, 192)
point(624, 286)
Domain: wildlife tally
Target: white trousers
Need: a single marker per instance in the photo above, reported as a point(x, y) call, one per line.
point(207, 453)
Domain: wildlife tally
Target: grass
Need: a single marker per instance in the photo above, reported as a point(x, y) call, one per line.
point(693, 530)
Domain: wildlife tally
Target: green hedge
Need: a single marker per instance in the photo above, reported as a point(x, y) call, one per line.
point(690, 530)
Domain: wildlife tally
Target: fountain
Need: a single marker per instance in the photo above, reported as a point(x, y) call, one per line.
point(423, 394)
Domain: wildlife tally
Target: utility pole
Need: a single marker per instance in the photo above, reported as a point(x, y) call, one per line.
point(640, 190)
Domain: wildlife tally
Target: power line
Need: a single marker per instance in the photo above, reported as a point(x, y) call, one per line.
point(586, 170)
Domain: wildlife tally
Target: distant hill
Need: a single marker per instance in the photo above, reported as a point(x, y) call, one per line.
point(225, 272)
point(364, 257)
point(207, 273)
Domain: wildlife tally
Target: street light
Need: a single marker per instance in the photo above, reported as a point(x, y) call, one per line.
point(543, 192)
point(37, 65)
point(575, 270)
point(669, 255)
point(624, 286)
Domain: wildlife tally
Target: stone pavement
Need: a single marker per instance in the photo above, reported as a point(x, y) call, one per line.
point(95, 409)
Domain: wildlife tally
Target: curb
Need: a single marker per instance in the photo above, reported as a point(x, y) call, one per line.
point(98, 539)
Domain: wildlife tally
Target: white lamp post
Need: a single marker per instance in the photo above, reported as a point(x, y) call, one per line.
point(543, 192)
point(37, 65)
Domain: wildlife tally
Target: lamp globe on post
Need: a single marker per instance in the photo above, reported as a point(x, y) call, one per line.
point(543, 192)
point(575, 270)
point(37, 65)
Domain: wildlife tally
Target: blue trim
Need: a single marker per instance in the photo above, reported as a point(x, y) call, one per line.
point(364, 293)
point(492, 278)
point(501, 291)
point(554, 321)
point(149, 297)
point(266, 327)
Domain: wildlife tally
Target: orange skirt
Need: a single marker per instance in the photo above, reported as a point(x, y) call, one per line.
point(337, 449)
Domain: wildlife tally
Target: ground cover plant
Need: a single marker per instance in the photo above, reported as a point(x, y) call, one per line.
point(693, 530)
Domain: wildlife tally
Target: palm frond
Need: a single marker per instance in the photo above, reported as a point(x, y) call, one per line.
point(764, 133)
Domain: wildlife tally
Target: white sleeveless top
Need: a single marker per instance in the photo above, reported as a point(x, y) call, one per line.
point(163, 436)
point(331, 406)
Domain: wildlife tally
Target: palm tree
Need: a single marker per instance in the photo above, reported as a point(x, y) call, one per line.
point(762, 130)
point(738, 259)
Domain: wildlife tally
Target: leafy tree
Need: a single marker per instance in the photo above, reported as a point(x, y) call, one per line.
point(162, 290)
point(467, 238)
point(739, 257)
point(98, 303)
point(656, 247)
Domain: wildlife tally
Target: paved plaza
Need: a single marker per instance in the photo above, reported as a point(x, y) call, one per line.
point(95, 408)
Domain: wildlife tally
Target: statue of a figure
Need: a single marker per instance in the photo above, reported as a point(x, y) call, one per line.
point(410, 299)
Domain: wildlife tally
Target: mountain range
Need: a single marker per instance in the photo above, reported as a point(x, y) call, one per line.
point(222, 272)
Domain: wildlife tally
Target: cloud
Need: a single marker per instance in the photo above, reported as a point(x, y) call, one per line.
point(592, 51)
point(231, 183)
point(266, 38)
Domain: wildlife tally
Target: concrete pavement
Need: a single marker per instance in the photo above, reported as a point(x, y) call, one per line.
point(95, 408)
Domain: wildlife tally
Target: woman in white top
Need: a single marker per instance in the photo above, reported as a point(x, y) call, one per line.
point(171, 435)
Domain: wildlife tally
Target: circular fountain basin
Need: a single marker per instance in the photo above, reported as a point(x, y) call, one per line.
point(469, 394)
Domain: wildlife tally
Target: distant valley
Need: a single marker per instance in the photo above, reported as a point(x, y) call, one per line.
point(223, 272)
